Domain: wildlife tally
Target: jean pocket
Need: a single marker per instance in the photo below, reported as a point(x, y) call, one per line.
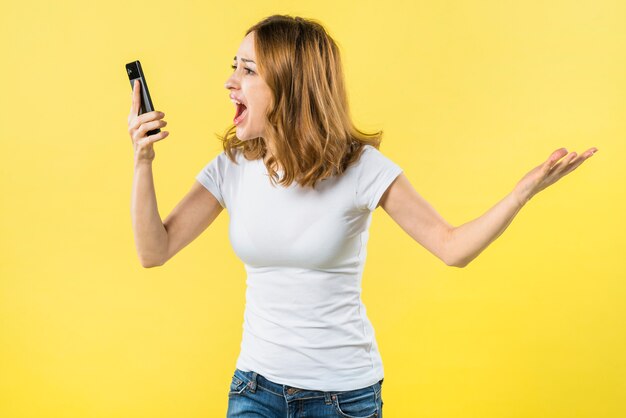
point(237, 386)
point(360, 403)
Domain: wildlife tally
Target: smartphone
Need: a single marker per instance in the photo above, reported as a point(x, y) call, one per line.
point(134, 71)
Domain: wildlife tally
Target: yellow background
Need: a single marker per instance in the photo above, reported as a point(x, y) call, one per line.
point(471, 95)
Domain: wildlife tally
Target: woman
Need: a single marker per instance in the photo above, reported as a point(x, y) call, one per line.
point(300, 183)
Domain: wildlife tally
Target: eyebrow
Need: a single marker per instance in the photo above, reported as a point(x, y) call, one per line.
point(244, 60)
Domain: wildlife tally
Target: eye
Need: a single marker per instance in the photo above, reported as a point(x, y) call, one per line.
point(234, 67)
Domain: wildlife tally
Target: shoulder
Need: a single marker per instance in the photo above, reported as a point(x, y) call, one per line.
point(222, 166)
point(225, 161)
point(372, 156)
point(374, 175)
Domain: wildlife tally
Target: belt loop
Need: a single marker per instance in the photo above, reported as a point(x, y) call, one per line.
point(252, 383)
point(327, 398)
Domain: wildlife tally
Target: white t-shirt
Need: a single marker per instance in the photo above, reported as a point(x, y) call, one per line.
point(304, 251)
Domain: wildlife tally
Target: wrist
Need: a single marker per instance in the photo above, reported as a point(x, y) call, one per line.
point(520, 198)
point(139, 163)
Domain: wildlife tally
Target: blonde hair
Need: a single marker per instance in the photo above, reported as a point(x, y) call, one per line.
point(308, 118)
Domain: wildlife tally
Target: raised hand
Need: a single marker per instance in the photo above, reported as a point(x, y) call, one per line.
point(549, 172)
point(139, 125)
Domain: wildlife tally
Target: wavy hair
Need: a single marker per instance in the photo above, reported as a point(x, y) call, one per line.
point(308, 118)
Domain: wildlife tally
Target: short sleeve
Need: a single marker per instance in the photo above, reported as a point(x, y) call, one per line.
point(212, 177)
point(376, 173)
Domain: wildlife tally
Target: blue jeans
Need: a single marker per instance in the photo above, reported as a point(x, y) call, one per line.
point(252, 395)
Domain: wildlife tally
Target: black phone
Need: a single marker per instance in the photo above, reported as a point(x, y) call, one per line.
point(134, 71)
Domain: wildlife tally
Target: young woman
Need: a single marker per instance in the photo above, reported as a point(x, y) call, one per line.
point(300, 183)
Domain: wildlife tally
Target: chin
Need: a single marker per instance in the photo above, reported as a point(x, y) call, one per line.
point(243, 135)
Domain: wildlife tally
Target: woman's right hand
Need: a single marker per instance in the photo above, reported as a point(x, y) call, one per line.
point(139, 125)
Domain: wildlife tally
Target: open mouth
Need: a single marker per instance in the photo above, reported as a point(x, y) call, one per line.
point(242, 111)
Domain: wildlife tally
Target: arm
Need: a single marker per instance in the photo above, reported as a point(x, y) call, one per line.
point(467, 241)
point(457, 246)
point(195, 212)
point(417, 217)
point(150, 234)
point(470, 239)
point(158, 241)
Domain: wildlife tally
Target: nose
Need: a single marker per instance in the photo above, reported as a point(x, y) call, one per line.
point(231, 82)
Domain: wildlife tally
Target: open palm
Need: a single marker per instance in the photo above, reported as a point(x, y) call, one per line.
point(549, 172)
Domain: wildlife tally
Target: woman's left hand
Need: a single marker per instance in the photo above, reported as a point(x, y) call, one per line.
point(549, 172)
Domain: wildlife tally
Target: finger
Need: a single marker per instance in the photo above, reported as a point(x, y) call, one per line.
point(154, 115)
point(134, 108)
point(155, 137)
point(590, 152)
point(574, 164)
point(570, 159)
point(554, 157)
point(147, 117)
point(136, 102)
point(564, 163)
point(147, 127)
point(555, 168)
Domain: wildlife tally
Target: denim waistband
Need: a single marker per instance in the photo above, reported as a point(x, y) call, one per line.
point(253, 380)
